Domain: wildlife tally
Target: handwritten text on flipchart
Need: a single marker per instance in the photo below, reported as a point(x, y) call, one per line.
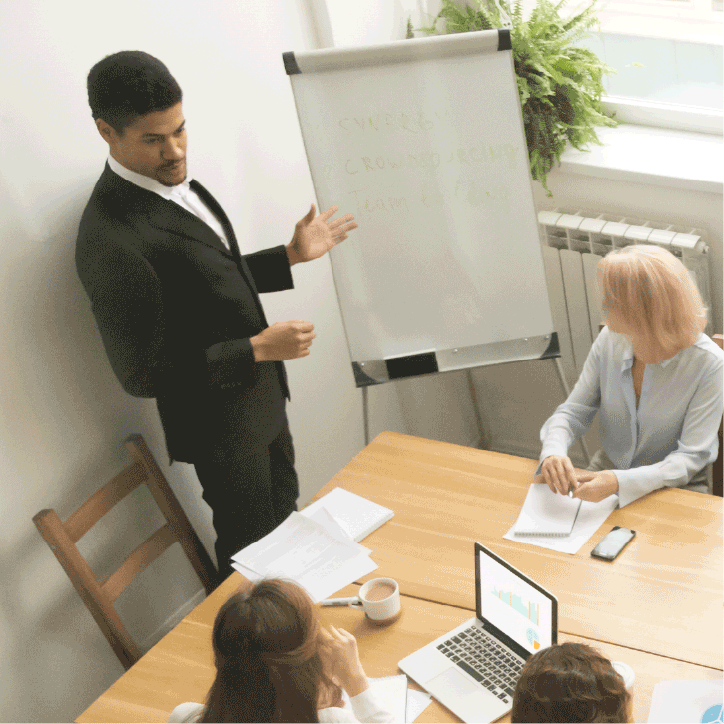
point(405, 161)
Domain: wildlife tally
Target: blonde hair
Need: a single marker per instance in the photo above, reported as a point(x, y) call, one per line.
point(653, 294)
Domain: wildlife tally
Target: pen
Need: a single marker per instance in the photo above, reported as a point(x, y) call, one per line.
point(339, 601)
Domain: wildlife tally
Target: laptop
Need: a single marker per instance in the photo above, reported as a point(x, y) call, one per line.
point(473, 669)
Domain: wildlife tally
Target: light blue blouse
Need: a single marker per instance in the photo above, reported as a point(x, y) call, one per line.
point(673, 433)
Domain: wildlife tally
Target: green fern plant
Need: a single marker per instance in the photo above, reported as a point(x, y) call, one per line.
point(560, 85)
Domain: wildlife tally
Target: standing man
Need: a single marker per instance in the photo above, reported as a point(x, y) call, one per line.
point(178, 306)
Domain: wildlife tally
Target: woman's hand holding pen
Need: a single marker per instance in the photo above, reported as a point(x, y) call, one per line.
point(596, 485)
point(558, 473)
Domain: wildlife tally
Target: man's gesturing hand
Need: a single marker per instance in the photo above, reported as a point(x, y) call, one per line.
point(283, 340)
point(315, 235)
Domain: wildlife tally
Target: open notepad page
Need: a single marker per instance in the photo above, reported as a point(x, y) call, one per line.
point(392, 691)
point(546, 513)
point(357, 515)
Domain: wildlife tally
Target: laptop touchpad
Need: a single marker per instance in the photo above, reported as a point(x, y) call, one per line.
point(453, 683)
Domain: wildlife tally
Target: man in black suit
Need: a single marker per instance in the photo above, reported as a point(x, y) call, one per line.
point(177, 305)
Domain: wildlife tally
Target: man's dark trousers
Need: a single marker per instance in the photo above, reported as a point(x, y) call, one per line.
point(250, 493)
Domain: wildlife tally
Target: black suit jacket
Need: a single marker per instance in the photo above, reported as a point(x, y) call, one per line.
point(176, 310)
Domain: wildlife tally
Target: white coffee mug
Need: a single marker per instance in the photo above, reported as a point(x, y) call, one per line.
point(627, 673)
point(380, 600)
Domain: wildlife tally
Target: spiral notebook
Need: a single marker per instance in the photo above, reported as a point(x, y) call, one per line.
point(546, 513)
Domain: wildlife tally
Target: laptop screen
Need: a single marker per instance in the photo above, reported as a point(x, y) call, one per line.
point(513, 603)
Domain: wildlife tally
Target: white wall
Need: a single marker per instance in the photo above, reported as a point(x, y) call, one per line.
point(63, 415)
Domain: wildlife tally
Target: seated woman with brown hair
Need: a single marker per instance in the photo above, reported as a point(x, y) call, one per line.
point(654, 379)
point(570, 683)
point(275, 663)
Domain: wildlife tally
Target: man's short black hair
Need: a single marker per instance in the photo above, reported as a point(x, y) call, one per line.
point(129, 84)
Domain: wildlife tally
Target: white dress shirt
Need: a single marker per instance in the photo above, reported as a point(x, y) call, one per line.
point(181, 194)
point(668, 438)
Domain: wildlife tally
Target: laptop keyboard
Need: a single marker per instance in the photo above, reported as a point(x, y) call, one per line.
point(489, 663)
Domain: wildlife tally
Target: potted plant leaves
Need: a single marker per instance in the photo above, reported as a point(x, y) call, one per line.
point(560, 83)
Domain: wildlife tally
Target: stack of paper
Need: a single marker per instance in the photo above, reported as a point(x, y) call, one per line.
point(312, 549)
point(357, 515)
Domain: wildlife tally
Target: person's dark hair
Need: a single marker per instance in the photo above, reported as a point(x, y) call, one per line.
point(129, 84)
point(570, 682)
point(266, 648)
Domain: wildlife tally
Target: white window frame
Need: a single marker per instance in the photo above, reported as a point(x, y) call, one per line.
point(684, 20)
point(640, 112)
point(688, 20)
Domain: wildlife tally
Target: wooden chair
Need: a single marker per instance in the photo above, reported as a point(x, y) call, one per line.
point(716, 472)
point(99, 596)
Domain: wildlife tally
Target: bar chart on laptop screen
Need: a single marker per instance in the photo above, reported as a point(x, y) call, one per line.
point(529, 609)
point(515, 607)
point(524, 607)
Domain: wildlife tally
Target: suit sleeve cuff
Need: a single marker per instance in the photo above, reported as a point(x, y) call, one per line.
point(230, 364)
point(271, 269)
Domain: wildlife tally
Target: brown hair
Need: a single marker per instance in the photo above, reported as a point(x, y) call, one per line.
point(653, 294)
point(266, 648)
point(570, 682)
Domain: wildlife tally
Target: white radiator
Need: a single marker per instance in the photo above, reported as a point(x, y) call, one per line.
point(573, 244)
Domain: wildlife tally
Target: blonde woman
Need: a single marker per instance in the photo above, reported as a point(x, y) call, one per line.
point(654, 378)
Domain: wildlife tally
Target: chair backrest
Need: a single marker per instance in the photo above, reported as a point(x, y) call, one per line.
point(716, 472)
point(97, 595)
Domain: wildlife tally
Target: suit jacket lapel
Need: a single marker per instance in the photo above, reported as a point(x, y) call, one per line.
point(172, 217)
point(162, 213)
point(169, 216)
point(216, 209)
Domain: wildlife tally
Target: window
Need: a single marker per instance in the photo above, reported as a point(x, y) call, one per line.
point(688, 20)
point(668, 58)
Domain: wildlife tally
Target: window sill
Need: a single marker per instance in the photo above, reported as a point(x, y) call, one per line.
point(658, 156)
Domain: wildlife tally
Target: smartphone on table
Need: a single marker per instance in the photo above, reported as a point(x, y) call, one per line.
point(613, 543)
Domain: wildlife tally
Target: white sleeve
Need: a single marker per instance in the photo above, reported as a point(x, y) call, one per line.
point(189, 711)
point(368, 707)
point(336, 715)
point(573, 418)
point(697, 445)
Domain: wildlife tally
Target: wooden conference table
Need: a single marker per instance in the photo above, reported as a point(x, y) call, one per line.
point(658, 606)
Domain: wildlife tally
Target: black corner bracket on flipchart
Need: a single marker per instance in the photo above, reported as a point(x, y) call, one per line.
point(290, 63)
